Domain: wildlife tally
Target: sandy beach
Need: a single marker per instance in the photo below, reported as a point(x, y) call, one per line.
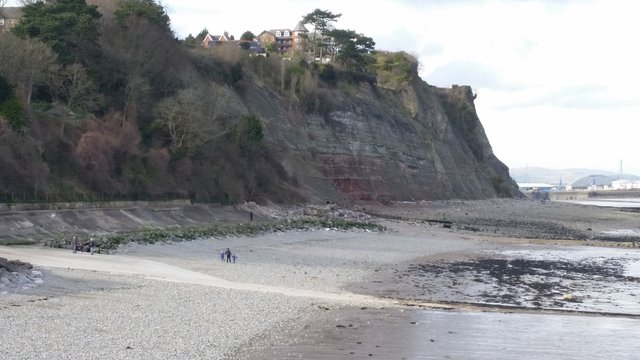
point(326, 294)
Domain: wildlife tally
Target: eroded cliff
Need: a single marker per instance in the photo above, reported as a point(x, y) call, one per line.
point(374, 143)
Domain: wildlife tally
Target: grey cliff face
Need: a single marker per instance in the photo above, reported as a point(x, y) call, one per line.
point(370, 143)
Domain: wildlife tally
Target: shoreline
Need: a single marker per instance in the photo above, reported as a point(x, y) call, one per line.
point(126, 310)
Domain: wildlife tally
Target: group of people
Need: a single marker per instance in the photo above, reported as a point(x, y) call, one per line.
point(77, 245)
point(228, 256)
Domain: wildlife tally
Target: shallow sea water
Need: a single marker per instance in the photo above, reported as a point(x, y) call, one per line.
point(354, 333)
point(423, 334)
point(609, 202)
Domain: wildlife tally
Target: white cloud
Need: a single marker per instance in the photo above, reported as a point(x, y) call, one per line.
point(556, 79)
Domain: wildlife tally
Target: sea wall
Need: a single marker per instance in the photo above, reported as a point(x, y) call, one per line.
point(40, 225)
point(90, 205)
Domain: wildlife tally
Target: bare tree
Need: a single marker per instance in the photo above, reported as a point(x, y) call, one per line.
point(137, 87)
point(104, 146)
point(182, 116)
point(26, 63)
point(218, 103)
point(79, 90)
point(191, 119)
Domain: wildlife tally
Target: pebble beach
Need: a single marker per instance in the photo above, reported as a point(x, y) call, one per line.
point(177, 300)
point(81, 314)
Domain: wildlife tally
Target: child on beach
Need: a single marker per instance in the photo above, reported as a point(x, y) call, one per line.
point(222, 255)
point(234, 257)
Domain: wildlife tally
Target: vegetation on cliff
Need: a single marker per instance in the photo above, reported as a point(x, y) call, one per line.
point(106, 101)
point(109, 102)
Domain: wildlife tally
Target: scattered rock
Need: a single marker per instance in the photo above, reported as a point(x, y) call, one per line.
point(15, 274)
point(570, 298)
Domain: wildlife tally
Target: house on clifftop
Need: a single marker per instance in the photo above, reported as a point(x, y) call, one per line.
point(284, 40)
point(9, 17)
point(212, 40)
point(252, 46)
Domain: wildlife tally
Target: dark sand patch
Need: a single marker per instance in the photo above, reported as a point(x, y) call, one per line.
point(536, 277)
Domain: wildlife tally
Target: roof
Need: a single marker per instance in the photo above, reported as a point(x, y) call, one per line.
point(11, 12)
point(623, 181)
point(274, 31)
point(535, 185)
point(300, 27)
point(216, 37)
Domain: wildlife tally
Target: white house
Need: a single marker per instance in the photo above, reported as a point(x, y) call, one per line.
point(625, 184)
point(527, 187)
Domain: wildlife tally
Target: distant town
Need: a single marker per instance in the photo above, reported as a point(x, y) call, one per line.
point(549, 180)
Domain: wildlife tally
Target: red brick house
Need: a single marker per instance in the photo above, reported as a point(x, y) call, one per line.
point(212, 40)
point(284, 39)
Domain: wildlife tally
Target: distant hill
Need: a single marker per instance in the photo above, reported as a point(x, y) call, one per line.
point(601, 180)
point(553, 176)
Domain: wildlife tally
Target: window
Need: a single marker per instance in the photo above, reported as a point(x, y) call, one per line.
point(278, 34)
point(286, 33)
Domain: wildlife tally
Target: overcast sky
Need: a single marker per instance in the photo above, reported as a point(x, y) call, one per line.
point(557, 80)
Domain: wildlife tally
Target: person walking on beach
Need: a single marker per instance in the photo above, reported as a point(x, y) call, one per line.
point(91, 245)
point(250, 215)
point(222, 255)
point(234, 257)
point(228, 253)
point(74, 244)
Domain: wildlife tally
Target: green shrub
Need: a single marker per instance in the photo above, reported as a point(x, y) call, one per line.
point(209, 67)
point(12, 111)
point(41, 106)
point(217, 231)
point(327, 73)
point(252, 129)
point(251, 135)
point(6, 90)
point(236, 72)
point(394, 69)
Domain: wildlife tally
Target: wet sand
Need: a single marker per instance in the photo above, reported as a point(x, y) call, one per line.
point(548, 297)
point(506, 318)
point(421, 334)
point(565, 278)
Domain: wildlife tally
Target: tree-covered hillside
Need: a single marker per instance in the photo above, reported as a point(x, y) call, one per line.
point(99, 100)
point(107, 102)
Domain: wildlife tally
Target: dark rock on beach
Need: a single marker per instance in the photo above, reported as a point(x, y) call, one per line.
point(17, 274)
